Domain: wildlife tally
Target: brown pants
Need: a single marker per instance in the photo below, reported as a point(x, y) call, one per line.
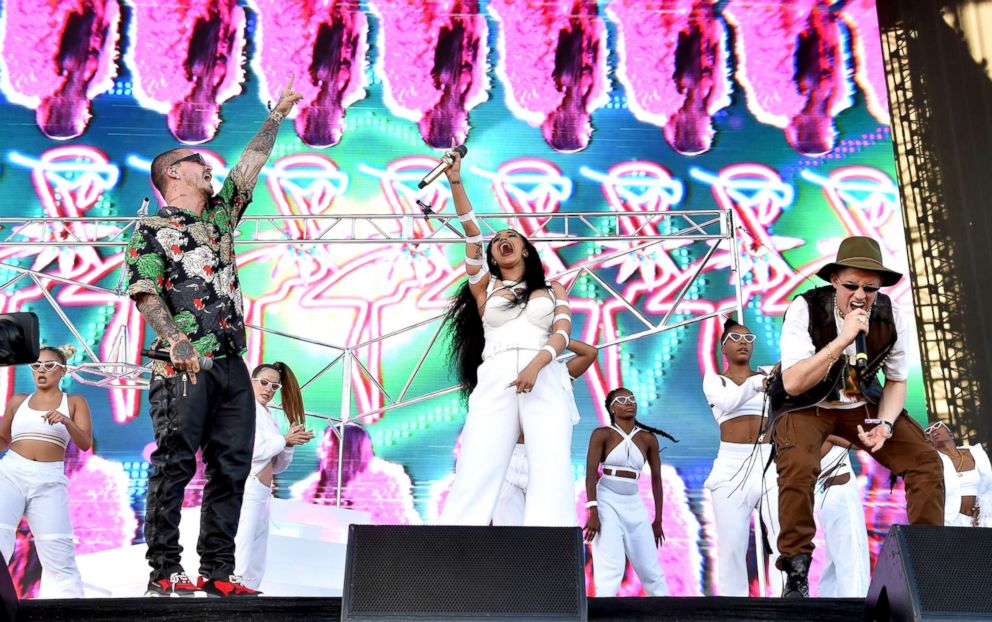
point(798, 437)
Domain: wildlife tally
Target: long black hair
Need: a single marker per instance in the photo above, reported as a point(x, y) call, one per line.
point(658, 431)
point(466, 338)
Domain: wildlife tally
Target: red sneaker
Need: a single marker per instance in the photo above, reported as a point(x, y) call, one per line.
point(177, 585)
point(231, 588)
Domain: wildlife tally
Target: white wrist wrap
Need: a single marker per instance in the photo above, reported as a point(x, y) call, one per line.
point(551, 350)
point(564, 334)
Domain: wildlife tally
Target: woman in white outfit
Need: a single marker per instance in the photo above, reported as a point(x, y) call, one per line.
point(508, 326)
point(739, 481)
point(512, 500)
point(617, 524)
point(37, 429)
point(841, 515)
point(272, 454)
point(967, 479)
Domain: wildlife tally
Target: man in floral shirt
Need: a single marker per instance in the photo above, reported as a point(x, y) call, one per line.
point(183, 277)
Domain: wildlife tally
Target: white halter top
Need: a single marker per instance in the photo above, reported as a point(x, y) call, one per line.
point(28, 424)
point(626, 456)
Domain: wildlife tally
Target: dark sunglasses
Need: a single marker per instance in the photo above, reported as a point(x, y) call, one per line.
point(193, 157)
point(853, 287)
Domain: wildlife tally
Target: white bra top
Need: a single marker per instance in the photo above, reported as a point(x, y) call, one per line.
point(730, 400)
point(626, 456)
point(28, 424)
point(969, 482)
point(516, 327)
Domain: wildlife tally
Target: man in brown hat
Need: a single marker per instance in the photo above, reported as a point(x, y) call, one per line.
point(831, 391)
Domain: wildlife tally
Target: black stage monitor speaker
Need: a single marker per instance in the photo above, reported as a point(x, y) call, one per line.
point(400, 573)
point(932, 573)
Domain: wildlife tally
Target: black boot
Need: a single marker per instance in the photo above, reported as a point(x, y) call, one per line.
point(796, 570)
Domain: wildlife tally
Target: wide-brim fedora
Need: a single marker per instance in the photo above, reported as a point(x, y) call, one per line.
point(863, 253)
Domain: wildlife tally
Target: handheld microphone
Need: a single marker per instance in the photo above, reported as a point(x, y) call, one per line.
point(442, 166)
point(157, 355)
point(861, 357)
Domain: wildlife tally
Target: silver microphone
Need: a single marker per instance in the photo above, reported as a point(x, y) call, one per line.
point(442, 165)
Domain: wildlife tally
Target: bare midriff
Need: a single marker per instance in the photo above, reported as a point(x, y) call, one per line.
point(742, 429)
point(39, 451)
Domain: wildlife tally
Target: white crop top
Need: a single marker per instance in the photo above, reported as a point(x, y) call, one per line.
point(730, 400)
point(269, 444)
point(626, 456)
point(28, 424)
point(969, 482)
point(516, 327)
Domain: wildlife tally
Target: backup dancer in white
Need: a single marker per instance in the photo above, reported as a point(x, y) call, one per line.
point(967, 479)
point(508, 327)
point(841, 515)
point(37, 429)
point(617, 524)
point(272, 455)
point(739, 482)
point(513, 496)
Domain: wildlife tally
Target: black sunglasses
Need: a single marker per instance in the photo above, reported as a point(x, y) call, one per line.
point(193, 157)
point(853, 287)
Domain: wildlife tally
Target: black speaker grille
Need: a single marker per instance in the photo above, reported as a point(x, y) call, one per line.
point(952, 567)
point(453, 571)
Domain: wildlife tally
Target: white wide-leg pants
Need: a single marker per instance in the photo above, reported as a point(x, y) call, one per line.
point(512, 501)
point(496, 416)
point(39, 492)
point(841, 515)
point(737, 487)
point(252, 542)
point(624, 532)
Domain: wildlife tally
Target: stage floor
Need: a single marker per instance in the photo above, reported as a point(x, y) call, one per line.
point(278, 609)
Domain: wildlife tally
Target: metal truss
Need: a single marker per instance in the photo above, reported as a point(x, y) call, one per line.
point(112, 232)
point(714, 227)
point(951, 386)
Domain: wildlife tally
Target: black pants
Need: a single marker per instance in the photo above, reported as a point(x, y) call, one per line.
point(217, 415)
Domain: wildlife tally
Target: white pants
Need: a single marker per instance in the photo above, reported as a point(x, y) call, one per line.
point(841, 515)
point(960, 520)
point(496, 416)
point(737, 487)
point(624, 532)
point(512, 501)
point(39, 492)
point(252, 542)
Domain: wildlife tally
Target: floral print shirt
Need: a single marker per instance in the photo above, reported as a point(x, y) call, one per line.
point(188, 261)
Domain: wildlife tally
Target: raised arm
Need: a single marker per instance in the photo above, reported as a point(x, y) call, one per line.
point(244, 175)
point(475, 254)
point(805, 367)
point(585, 356)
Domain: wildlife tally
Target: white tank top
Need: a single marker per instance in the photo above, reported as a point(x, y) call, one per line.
point(516, 327)
point(28, 424)
point(626, 456)
point(969, 481)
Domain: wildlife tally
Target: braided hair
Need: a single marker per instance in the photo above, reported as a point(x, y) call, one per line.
point(653, 430)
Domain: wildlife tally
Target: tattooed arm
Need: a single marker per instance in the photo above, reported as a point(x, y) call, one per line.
point(184, 356)
point(256, 153)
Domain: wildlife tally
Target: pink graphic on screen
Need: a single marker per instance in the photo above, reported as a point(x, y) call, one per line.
point(55, 57)
point(861, 17)
point(432, 63)
point(802, 39)
point(369, 484)
point(553, 64)
point(186, 59)
point(673, 64)
point(323, 44)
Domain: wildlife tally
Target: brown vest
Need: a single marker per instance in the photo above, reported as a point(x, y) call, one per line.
point(881, 338)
